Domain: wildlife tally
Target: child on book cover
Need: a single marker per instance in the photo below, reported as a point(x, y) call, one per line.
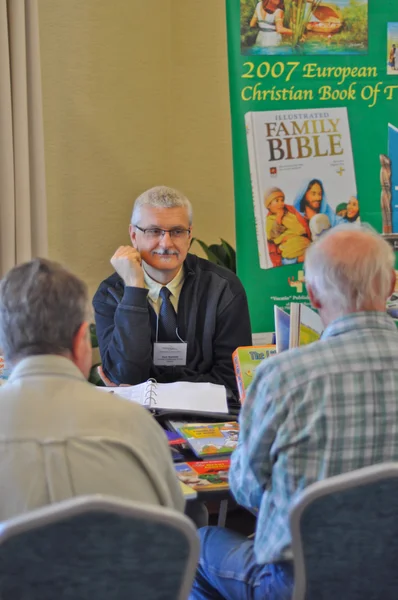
point(341, 210)
point(288, 234)
point(353, 210)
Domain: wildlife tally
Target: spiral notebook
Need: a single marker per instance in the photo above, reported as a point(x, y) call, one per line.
point(180, 396)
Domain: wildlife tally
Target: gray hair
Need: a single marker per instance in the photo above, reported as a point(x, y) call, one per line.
point(42, 306)
point(350, 267)
point(161, 197)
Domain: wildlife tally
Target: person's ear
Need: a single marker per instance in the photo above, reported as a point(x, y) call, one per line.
point(133, 236)
point(81, 349)
point(315, 303)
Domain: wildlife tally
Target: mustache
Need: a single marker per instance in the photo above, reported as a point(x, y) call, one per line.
point(166, 252)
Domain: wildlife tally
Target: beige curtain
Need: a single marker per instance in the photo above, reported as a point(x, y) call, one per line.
point(23, 218)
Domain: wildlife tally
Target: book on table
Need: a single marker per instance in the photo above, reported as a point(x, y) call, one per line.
point(179, 396)
point(209, 440)
point(188, 491)
point(174, 438)
point(204, 475)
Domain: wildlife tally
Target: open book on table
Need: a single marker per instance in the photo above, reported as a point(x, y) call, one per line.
point(303, 326)
point(179, 396)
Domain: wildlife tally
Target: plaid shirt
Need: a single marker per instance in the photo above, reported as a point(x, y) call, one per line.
point(315, 412)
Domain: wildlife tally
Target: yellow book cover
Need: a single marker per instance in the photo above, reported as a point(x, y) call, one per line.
point(246, 359)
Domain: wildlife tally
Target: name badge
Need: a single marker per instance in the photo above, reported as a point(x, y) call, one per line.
point(169, 354)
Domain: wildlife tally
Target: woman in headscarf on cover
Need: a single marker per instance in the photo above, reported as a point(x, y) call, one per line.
point(288, 234)
point(312, 201)
point(268, 16)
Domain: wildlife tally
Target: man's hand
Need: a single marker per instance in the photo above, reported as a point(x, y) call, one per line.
point(127, 263)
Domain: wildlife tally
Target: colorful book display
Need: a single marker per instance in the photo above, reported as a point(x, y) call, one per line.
point(211, 439)
point(246, 359)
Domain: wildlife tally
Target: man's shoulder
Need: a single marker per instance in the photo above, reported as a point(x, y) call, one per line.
point(358, 351)
point(206, 269)
point(83, 411)
point(297, 366)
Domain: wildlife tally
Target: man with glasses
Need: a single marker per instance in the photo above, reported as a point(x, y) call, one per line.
point(165, 313)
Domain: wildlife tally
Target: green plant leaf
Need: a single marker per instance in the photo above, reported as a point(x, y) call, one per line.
point(93, 336)
point(209, 253)
point(232, 255)
point(94, 377)
point(221, 253)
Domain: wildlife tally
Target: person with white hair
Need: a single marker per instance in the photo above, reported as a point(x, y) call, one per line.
point(164, 313)
point(311, 413)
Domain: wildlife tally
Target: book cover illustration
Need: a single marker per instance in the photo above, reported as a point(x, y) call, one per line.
point(246, 359)
point(300, 27)
point(204, 475)
point(303, 179)
point(211, 439)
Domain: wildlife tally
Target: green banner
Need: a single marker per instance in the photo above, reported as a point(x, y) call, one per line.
point(314, 104)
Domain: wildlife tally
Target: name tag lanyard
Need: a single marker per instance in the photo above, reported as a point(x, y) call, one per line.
point(169, 354)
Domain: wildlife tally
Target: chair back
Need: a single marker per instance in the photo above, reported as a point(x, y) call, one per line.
point(98, 548)
point(345, 537)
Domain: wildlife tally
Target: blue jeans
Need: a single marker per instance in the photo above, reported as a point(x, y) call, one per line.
point(228, 571)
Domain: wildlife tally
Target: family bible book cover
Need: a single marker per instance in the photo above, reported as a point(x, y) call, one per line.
point(303, 179)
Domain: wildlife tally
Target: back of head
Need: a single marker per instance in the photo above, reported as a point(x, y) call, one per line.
point(350, 269)
point(42, 306)
point(161, 196)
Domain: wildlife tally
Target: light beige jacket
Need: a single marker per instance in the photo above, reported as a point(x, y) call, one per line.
point(61, 437)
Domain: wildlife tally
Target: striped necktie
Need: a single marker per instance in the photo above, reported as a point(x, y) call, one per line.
point(167, 318)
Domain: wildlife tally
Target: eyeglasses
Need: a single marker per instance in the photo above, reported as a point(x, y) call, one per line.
point(154, 233)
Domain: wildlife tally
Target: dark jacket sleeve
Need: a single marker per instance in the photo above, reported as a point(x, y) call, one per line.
point(233, 329)
point(124, 334)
